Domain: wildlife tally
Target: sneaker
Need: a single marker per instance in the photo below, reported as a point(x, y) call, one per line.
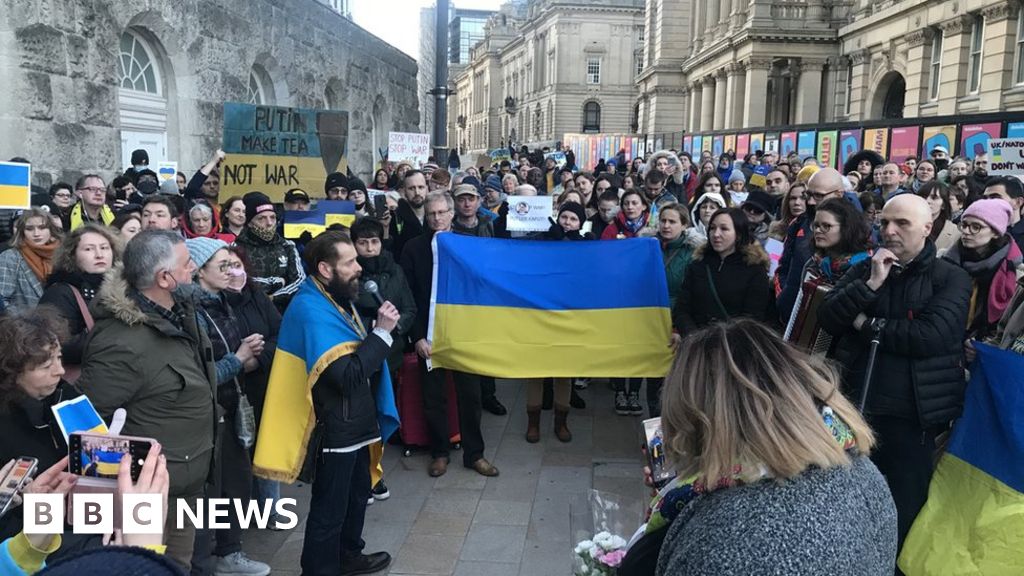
point(276, 519)
point(238, 564)
point(380, 491)
point(370, 500)
point(365, 564)
point(581, 383)
point(621, 406)
point(633, 404)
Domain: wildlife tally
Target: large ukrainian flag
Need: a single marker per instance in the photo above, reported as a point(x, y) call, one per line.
point(530, 309)
point(973, 522)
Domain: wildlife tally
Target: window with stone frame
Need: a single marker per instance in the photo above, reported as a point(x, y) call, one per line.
point(935, 66)
point(591, 117)
point(1018, 75)
point(593, 70)
point(137, 69)
point(254, 94)
point(976, 52)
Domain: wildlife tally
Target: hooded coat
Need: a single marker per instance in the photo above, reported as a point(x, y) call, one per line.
point(740, 281)
point(698, 226)
point(682, 183)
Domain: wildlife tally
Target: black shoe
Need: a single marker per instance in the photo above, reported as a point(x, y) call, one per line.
point(380, 491)
point(365, 564)
point(577, 401)
point(494, 407)
point(633, 404)
point(621, 406)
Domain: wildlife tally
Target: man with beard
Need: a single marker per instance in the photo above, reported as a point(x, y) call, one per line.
point(348, 361)
point(274, 261)
point(408, 221)
point(418, 263)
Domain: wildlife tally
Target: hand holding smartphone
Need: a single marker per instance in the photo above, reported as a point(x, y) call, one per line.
point(13, 478)
point(661, 473)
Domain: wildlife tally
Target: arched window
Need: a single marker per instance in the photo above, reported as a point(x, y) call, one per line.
point(591, 117)
point(137, 66)
point(255, 94)
point(260, 89)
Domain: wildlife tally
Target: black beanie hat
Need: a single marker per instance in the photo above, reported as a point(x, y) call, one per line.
point(256, 202)
point(335, 179)
point(355, 183)
point(140, 156)
point(576, 208)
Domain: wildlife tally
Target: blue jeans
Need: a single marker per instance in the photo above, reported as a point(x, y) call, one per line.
point(337, 511)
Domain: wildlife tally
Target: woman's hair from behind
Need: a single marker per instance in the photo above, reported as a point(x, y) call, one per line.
point(854, 230)
point(738, 395)
point(27, 339)
point(34, 212)
point(66, 258)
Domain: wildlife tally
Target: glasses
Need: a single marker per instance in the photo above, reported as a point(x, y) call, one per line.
point(822, 227)
point(437, 214)
point(972, 227)
point(62, 195)
point(225, 266)
point(92, 189)
point(819, 196)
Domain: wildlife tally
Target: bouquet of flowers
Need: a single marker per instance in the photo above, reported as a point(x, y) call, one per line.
point(599, 521)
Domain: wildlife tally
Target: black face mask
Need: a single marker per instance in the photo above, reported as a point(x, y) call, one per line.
point(941, 164)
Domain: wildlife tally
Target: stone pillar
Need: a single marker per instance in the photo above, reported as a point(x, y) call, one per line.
point(918, 48)
point(755, 89)
point(956, 39)
point(711, 24)
point(859, 107)
point(707, 105)
point(686, 109)
point(724, 17)
point(997, 61)
point(734, 87)
point(808, 95)
point(696, 41)
point(696, 97)
point(721, 99)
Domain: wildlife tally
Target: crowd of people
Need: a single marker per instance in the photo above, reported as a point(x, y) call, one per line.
point(167, 300)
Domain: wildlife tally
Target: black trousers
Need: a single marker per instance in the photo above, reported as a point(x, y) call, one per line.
point(904, 455)
point(487, 387)
point(654, 396)
point(435, 409)
point(627, 384)
point(337, 512)
point(234, 480)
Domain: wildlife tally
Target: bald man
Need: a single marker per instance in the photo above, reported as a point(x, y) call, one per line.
point(917, 305)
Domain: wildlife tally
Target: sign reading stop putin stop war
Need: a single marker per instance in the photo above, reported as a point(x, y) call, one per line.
point(274, 149)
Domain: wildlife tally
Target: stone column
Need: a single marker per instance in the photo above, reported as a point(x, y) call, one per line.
point(711, 24)
point(956, 39)
point(686, 109)
point(918, 77)
point(725, 16)
point(698, 27)
point(734, 87)
point(707, 105)
point(808, 95)
point(721, 97)
point(696, 97)
point(859, 59)
point(755, 89)
point(997, 62)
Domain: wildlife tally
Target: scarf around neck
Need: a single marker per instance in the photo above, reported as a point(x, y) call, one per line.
point(1002, 265)
point(39, 259)
point(835, 268)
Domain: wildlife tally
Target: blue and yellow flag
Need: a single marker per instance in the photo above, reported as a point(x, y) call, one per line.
point(531, 309)
point(15, 185)
point(973, 522)
point(314, 333)
point(315, 221)
point(78, 415)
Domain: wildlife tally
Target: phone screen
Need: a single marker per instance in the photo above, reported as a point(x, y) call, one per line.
point(99, 456)
point(661, 473)
point(15, 480)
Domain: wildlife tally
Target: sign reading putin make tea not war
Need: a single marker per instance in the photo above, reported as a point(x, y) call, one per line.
point(1007, 156)
point(274, 149)
point(408, 147)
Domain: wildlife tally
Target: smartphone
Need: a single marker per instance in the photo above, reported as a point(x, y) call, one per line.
point(380, 205)
point(99, 455)
point(12, 484)
point(661, 474)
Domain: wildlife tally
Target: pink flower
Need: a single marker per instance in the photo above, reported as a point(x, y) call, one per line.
point(613, 559)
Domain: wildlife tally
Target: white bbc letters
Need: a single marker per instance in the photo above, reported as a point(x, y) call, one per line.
point(142, 513)
point(92, 513)
point(43, 513)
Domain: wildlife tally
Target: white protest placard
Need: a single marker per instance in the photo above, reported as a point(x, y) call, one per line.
point(774, 249)
point(1006, 156)
point(408, 147)
point(167, 170)
point(529, 213)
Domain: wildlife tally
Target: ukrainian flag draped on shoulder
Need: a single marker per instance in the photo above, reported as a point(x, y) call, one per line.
point(531, 309)
point(314, 333)
point(973, 522)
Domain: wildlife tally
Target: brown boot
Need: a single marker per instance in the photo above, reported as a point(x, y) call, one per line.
point(533, 424)
point(561, 427)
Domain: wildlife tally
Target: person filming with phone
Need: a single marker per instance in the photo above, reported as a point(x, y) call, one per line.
point(904, 312)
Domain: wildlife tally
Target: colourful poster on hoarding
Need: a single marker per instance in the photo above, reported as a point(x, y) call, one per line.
point(730, 143)
point(771, 142)
point(788, 143)
point(688, 144)
point(903, 143)
point(974, 138)
point(828, 148)
point(756, 142)
point(742, 145)
point(274, 149)
point(877, 139)
point(716, 146)
point(1013, 130)
point(805, 143)
point(589, 148)
point(933, 136)
point(698, 143)
point(849, 144)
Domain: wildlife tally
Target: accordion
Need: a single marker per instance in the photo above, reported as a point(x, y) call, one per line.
point(803, 328)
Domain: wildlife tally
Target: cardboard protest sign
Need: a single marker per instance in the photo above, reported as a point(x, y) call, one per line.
point(274, 149)
point(558, 157)
point(1007, 157)
point(167, 170)
point(322, 216)
point(408, 147)
point(499, 155)
point(529, 213)
point(15, 185)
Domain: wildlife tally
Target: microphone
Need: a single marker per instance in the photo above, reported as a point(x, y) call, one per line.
point(371, 288)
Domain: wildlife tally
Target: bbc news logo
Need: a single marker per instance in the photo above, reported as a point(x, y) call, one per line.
point(144, 513)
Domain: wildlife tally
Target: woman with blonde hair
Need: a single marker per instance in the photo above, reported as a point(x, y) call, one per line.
point(772, 463)
point(793, 204)
point(26, 265)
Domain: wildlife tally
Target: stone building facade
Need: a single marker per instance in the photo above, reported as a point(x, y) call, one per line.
point(87, 82)
point(713, 65)
point(546, 68)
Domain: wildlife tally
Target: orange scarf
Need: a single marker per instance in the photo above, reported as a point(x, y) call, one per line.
point(39, 259)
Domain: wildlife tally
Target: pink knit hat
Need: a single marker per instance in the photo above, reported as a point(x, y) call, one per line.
point(992, 211)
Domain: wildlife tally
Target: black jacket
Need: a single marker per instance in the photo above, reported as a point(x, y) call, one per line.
point(394, 288)
point(417, 262)
point(60, 296)
point(796, 251)
point(405, 226)
point(919, 370)
point(256, 314)
point(343, 397)
point(741, 281)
